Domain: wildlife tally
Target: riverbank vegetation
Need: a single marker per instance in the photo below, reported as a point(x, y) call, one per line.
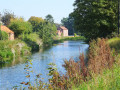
point(12, 50)
point(61, 39)
point(103, 64)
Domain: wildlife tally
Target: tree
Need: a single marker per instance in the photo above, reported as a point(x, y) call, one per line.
point(7, 16)
point(69, 24)
point(35, 22)
point(95, 18)
point(47, 31)
point(19, 26)
point(49, 18)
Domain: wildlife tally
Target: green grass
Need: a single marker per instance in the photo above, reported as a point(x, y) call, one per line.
point(58, 40)
point(115, 43)
point(108, 80)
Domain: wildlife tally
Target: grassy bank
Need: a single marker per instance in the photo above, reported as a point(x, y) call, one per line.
point(115, 44)
point(11, 50)
point(108, 80)
point(61, 39)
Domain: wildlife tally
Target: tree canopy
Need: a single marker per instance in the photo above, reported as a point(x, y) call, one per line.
point(6, 17)
point(19, 26)
point(69, 24)
point(47, 31)
point(49, 18)
point(95, 18)
point(35, 21)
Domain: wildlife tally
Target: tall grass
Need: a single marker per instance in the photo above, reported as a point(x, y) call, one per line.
point(109, 79)
point(115, 43)
point(100, 58)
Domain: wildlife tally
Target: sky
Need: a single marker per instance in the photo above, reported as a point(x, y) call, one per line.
point(39, 8)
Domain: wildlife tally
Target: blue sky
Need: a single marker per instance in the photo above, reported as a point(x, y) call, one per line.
point(40, 8)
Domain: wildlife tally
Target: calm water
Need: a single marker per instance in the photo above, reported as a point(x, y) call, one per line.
point(14, 75)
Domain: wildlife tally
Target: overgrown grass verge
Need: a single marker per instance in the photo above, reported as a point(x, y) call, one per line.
point(108, 80)
point(61, 39)
point(11, 50)
point(115, 43)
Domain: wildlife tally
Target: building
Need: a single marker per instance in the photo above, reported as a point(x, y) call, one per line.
point(8, 31)
point(62, 31)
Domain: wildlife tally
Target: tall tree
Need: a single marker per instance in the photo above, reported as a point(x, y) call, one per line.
point(35, 22)
point(19, 26)
point(6, 17)
point(47, 31)
point(95, 18)
point(69, 24)
point(49, 18)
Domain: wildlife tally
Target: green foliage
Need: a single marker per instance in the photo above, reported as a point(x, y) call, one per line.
point(3, 35)
point(108, 80)
point(35, 22)
point(7, 17)
point(69, 38)
point(75, 34)
point(46, 32)
point(49, 18)
point(32, 40)
point(69, 24)
point(10, 50)
point(19, 26)
point(115, 43)
point(95, 18)
point(45, 29)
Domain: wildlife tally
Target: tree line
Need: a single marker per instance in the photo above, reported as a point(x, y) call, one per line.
point(95, 18)
point(45, 28)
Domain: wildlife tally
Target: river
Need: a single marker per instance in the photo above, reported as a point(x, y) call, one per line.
point(13, 75)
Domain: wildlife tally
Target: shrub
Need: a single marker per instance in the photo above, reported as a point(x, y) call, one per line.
point(32, 40)
point(75, 34)
point(3, 35)
point(12, 49)
point(114, 44)
point(100, 56)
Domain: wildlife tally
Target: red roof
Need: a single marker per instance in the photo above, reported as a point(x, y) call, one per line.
point(6, 29)
point(64, 28)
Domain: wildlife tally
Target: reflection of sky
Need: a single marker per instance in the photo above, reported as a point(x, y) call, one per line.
point(56, 54)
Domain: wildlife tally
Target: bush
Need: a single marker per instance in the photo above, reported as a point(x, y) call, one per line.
point(115, 44)
point(10, 50)
point(32, 40)
point(100, 56)
point(75, 34)
point(3, 35)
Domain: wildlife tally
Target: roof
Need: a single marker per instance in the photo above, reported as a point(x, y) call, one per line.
point(6, 29)
point(64, 28)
